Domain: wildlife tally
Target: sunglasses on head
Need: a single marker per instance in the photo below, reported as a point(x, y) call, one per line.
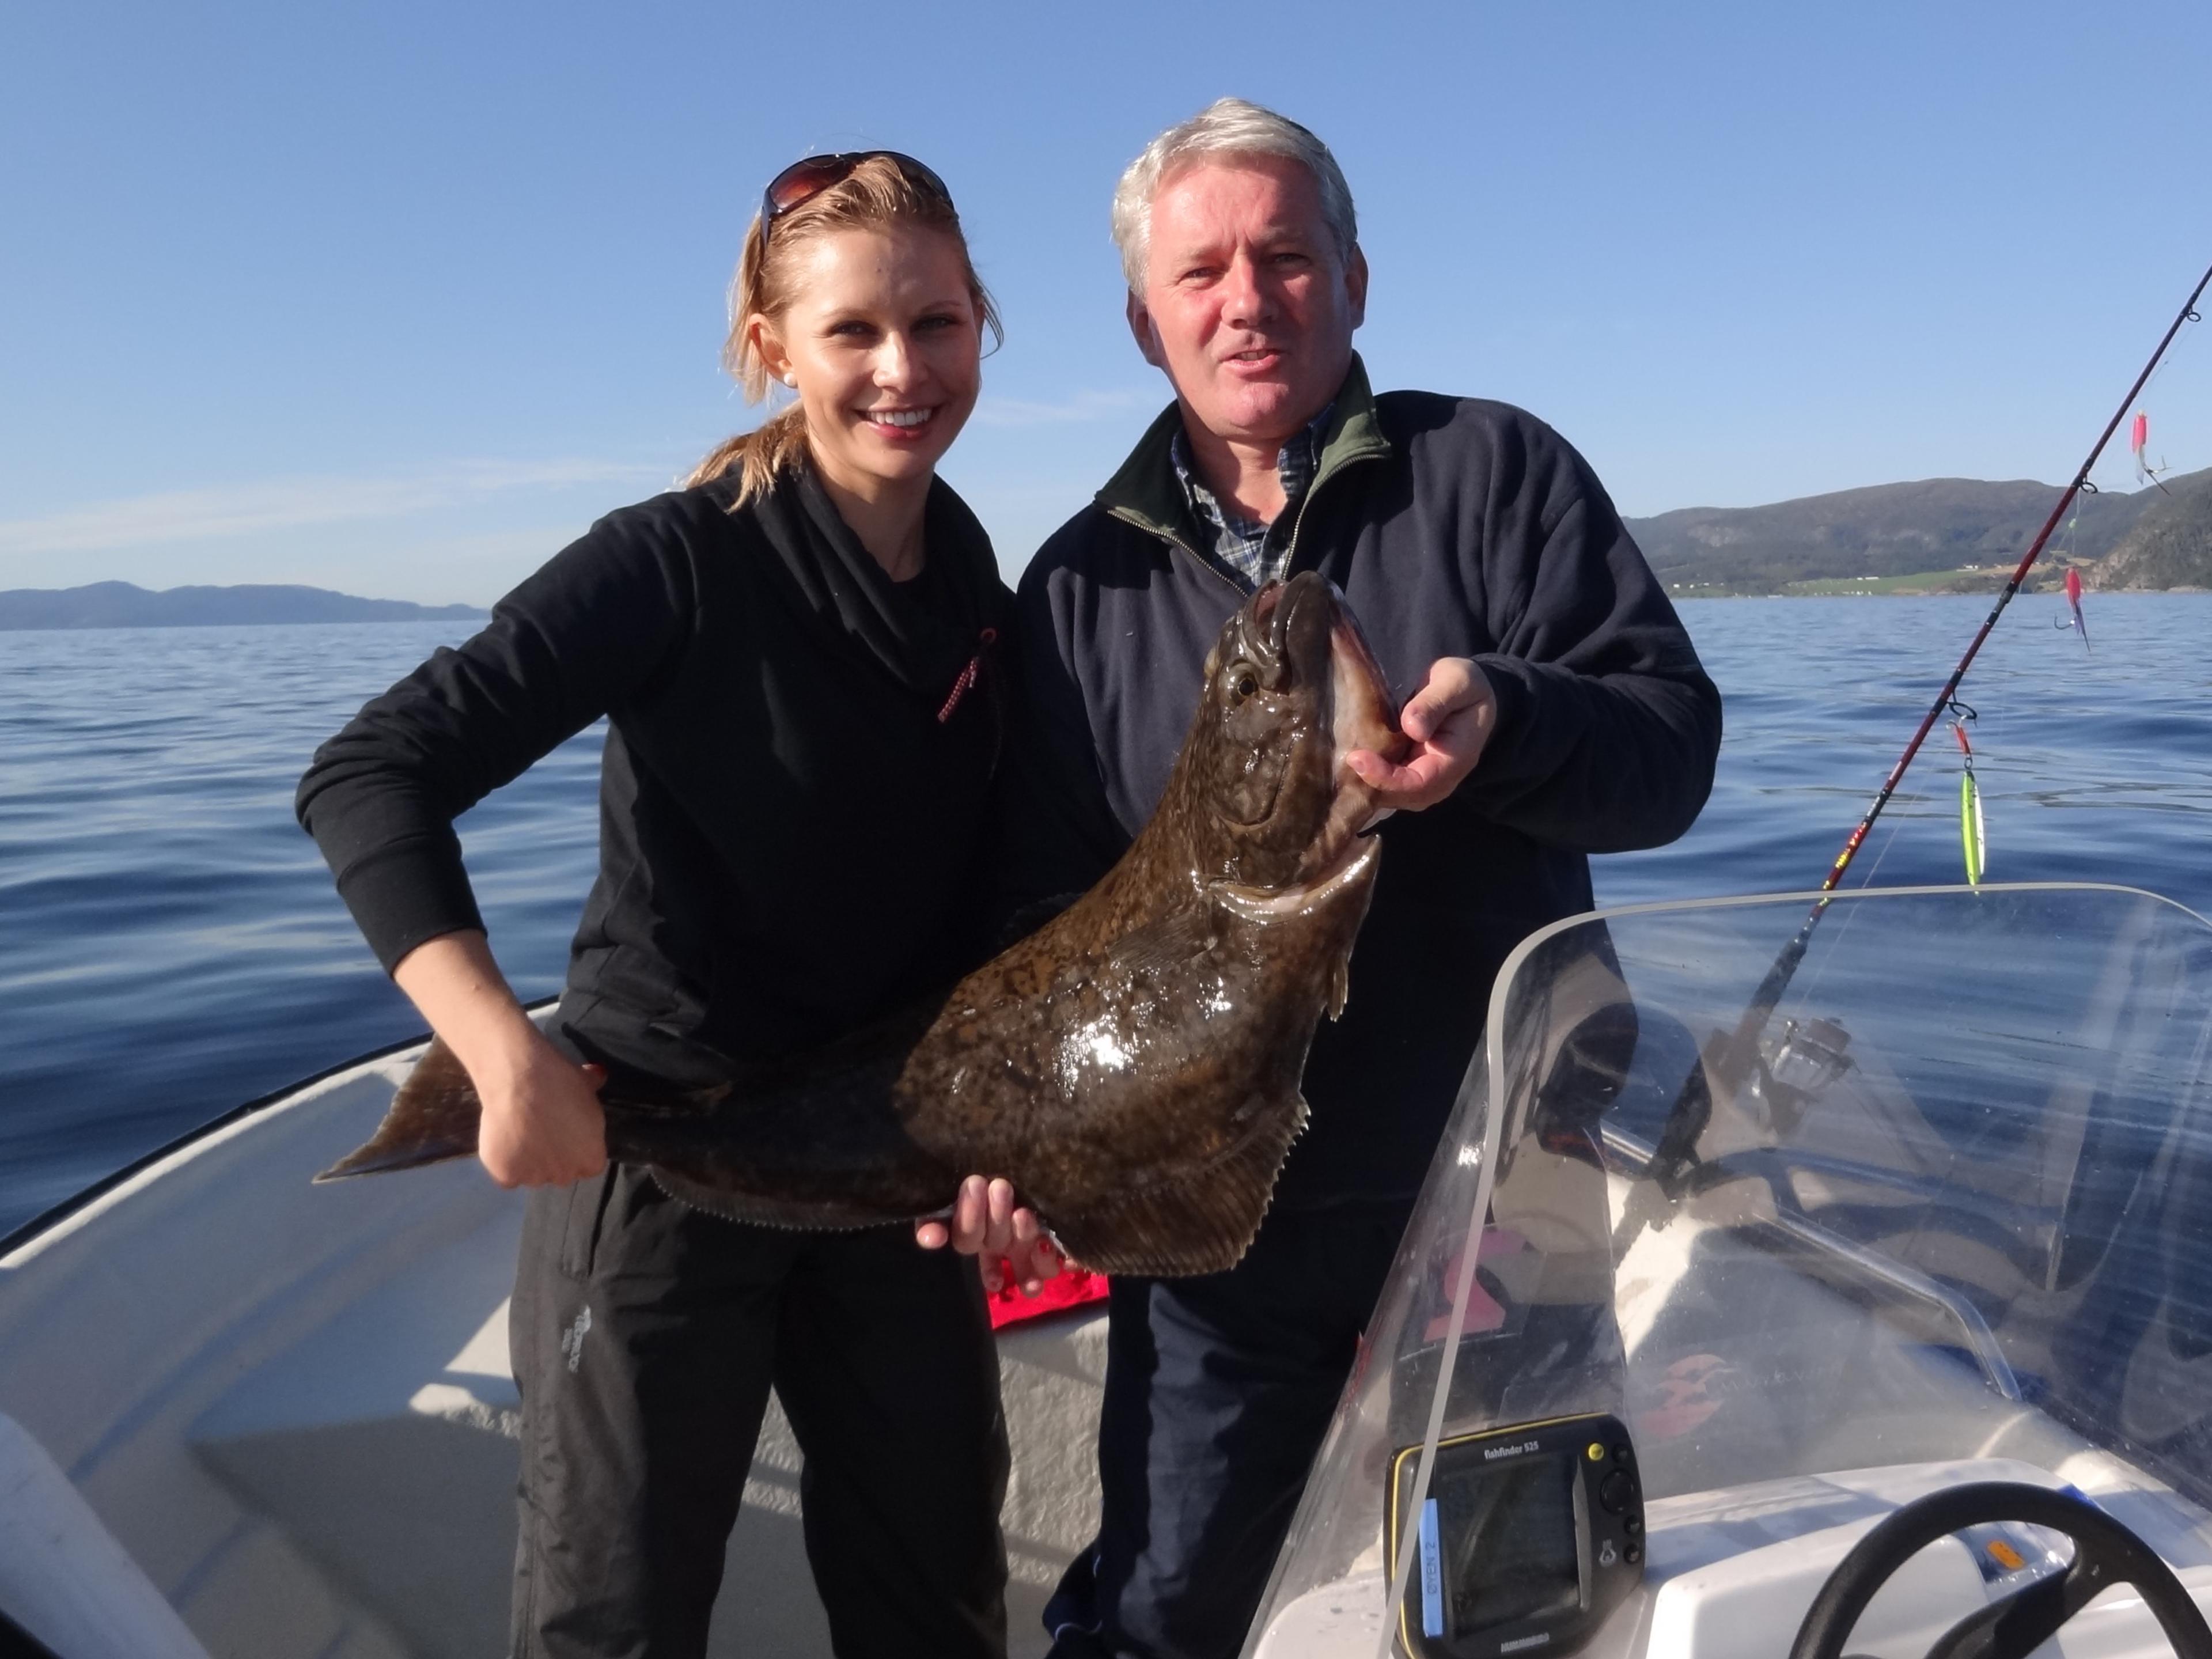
point(802, 181)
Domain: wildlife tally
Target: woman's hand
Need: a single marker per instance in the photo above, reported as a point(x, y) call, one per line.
point(986, 1222)
point(542, 1125)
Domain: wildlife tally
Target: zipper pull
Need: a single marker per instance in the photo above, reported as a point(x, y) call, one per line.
point(968, 676)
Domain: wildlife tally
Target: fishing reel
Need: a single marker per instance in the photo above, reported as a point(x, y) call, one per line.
point(1797, 1065)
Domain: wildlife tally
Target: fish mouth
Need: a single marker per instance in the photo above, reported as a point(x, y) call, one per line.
point(1273, 903)
point(1362, 714)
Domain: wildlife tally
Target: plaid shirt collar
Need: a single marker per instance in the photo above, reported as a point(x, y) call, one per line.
point(1249, 553)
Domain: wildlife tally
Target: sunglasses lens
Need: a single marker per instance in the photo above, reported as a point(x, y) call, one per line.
point(917, 171)
point(803, 179)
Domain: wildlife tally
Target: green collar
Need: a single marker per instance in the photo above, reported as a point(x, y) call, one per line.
point(1146, 493)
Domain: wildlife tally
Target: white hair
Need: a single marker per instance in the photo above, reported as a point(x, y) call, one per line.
point(1226, 127)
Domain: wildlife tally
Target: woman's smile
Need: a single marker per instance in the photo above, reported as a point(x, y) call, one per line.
point(899, 422)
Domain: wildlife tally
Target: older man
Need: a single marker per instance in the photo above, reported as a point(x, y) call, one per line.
point(1558, 710)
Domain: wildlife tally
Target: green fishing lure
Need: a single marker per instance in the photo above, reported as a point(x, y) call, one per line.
point(1973, 829)
point(1973, 832)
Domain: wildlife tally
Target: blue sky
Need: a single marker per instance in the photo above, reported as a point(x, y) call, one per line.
point(397, 298)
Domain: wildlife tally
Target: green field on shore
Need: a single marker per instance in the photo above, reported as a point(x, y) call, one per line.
point(1969, 579)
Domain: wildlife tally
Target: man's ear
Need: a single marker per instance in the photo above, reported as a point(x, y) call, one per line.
point(1148, 339)
point(1355, 285)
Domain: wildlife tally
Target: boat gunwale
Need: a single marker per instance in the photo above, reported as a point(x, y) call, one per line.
point(30, 1232)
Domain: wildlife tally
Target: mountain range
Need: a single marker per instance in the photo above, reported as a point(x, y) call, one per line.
point(122, 605)
point(2171, 544)
point(1932, 535)
point(1937, 535)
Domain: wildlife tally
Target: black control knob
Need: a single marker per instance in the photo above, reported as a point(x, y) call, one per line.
point(1614, 1492)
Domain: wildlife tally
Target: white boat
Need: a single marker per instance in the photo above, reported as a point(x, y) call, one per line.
point(1943, 1218)
point(244, 1416)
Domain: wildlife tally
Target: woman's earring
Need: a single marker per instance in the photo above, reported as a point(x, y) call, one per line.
point(791, 380)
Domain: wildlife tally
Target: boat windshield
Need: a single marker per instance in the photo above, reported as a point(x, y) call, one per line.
point(1747, 1192)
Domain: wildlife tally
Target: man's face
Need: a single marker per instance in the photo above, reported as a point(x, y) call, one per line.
point(1246, 303)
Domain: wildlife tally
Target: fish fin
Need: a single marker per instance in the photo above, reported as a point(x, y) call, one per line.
point(1161, 947)
point(1201, 1223)
point(433, 1117)
point(791, 1215)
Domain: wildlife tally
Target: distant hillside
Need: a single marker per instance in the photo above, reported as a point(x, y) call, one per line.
point(120, 604)
point(2170, 545)
point(1936, 525)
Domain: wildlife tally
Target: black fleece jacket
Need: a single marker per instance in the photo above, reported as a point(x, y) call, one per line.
point(793, 800)
point(1455, 527)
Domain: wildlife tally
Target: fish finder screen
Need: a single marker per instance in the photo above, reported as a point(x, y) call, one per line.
point(1508, 1542)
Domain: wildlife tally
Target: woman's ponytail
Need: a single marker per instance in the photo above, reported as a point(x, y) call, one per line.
point(779, 443)
point(776, 446)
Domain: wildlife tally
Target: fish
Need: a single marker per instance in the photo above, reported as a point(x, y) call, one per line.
point(1132, 1066)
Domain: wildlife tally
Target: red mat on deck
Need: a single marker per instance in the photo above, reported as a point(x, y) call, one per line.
point(1072, 1288)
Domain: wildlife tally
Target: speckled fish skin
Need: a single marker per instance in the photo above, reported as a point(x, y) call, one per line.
point(1134, 1065)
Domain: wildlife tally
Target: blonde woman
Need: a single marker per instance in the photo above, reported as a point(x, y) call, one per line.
point(797, 655)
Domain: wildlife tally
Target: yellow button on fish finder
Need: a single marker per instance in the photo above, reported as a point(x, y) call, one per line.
point(1597, 1453)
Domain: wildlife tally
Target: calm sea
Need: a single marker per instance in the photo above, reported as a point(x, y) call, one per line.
point(170, 944)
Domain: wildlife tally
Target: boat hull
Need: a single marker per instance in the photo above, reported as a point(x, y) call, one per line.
point(291, 1406)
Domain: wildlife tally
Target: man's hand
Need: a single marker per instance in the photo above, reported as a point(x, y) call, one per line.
point(1450, 721)
point(986, 1222)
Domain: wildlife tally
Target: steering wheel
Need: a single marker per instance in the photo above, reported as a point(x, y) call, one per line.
point(2104, 1554)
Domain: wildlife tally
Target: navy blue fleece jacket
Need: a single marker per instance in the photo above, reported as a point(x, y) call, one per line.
point(1455, 527)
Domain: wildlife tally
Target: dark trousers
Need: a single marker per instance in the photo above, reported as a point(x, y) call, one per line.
point(646, 1336)
point(1219, 1390)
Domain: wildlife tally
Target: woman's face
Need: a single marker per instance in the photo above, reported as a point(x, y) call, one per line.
point(883, 342)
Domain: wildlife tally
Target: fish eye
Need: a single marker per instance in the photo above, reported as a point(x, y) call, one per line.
point(1246, 681)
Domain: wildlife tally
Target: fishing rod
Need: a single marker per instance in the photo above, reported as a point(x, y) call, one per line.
point(1685, 1123)
point(2080, 485)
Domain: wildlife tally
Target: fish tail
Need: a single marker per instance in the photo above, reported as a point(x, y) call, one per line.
point(434, 1117)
